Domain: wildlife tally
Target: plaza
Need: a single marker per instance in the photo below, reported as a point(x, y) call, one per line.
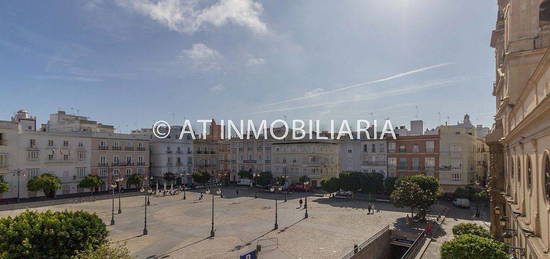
point(180, 228)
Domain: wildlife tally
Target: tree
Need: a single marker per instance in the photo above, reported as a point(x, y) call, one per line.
point(417, 192)
point(473, 247)
point(106, 251)
point(389, 184)
point(169, 177)
point(50, 234)
point(93, 182)
point(47, 183)
point(350, 181)
point(201, 177)
point(471, 229)
point(264, 179)
point(4, 186)
point(372, 183)
point(245, 174)
point(330, 184)
point(280, 180)
point(304, 179)
point(135, 180)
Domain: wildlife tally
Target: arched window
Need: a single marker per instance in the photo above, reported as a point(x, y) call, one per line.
point(529, 173)
point(518, 166)
point(544, 13)
point(547, 175)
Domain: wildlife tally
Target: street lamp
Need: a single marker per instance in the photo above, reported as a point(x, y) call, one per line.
point(119, 183)
point(113, 186)
point(146, 194)
point(212, 231)
point(285, 184)
point(305, 206)
point(149, 190)
point(276, 225)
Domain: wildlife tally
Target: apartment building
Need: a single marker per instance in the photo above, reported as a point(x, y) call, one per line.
point(313, 158)
point(170, 155)
point(27, 152)
point(412, 155)
point(519, 141)
point(367, 156)
point(253, 155)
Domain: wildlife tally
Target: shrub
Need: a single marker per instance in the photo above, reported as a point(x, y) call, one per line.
point(473, 247)
point(50, 234)
point(265, 178)
point(135, 180)
point(92, 182)
point(4, 187)
point(106, 251)
point(472, 229)
point(201, 177)
point(330, 184)
point(46, 183)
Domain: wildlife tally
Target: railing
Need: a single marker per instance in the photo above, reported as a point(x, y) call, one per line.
point(249, 161)
point(179, 152)
point(416, 245)
point(129, 148)
point(103, 164)
point(140, 149)
point(141, 163)
point(169, 151)
point(116, 148)
point(366, 243)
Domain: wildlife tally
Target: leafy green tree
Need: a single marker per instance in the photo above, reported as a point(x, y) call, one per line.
point(169, 177)
point(473, 247)
point(330, 184)
point(92, 182)
point(136, 180)
point(389, 184)
point(50, 234)
point(350, 181)
point(245, 174)
point(265, 178)
point(47, 183)
point(106, 251)
point(304, 179)
point(472, 229)
point(201, 177)
point(4, 186)
point(280, 180)
point(416, 192)
point(372, 183)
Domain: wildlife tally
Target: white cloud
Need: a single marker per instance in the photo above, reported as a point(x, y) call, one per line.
point(314, 92)
point(255, 61)
point(217, 88)
point(186, 16)
point(202, 57)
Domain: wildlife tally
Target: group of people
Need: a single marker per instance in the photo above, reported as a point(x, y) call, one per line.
point(371, 209)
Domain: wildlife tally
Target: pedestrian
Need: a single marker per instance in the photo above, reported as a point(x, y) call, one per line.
point(429, 229)
point(369, 208)
point(300, 202)
point(237, 192)
point(200, 198)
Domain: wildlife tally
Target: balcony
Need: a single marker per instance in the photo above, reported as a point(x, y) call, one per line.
point(268, 161)
point(140, 149)
point(374, 163)
point(103, 148)
point(179, 152)
point(116, 148)
point(103, 164)
point(249, 161)
point(129, 148)
point(168, 151)
point(140, 163)
point(189, 152)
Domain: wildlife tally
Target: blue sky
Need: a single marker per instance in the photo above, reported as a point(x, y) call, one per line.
point(133, 62)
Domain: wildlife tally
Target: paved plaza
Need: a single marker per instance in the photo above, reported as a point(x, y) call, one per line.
point(181, 228)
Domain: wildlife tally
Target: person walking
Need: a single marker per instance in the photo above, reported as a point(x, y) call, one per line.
point(300, 202)
point(369, 208)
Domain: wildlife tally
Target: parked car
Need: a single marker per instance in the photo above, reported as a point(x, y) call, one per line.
point(461, 202)
point(341, 194)
point(245, 182)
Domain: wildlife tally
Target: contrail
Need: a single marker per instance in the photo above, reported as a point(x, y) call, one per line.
point(360, 84)
point(391, 92)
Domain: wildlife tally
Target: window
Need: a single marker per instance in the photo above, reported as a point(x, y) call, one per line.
point(32, 142)
point(365, 148)
point(81, 156)
point(116, 172)
point(402, 148)
point(373, 148)
point(416, 149)
point(50, 143)
point(33, 172)
point(519, 170)
point(391, 147)
point(65, 143)
point(529, 173)
point(32, 155)
point(350, 151)
point(116, 160)
point(103, 172)
point(416, 163)
point(80, 144)
point(544, 13)
point(81, 172)
point(65, 157)
point(430, 146)
point(547, 175)
point(456, 177)
point(3, 160)
point(402, 163)
point(382, 147)
point(2, 139)
point(429, 163)
point(103, 160)
point(128, 172)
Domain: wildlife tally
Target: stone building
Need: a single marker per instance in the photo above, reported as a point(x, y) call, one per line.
point(519, 141)
point(412, 155)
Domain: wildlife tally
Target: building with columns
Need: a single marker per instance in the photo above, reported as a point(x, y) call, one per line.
point(519, 142)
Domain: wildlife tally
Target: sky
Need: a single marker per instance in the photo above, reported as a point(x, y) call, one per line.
point(130, 63)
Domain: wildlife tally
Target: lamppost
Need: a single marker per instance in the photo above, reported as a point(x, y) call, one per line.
point(285, 184)
point(149, 190)
point(276, 225)
point(119, 183)
point(212, 231)
point(113, 186)
point(146, 193)
point(18, 172)
point(305, 206)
